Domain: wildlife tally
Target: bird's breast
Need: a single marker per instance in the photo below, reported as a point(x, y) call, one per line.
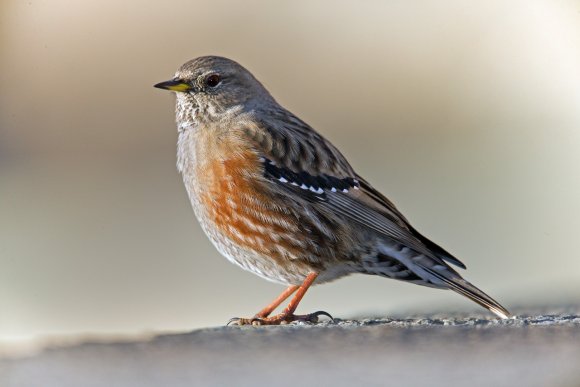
point(237, 202)
point(235, 207)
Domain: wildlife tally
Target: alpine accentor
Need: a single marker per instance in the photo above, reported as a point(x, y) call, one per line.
point(279, 200)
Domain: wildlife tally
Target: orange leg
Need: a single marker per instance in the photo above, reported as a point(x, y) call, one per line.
point(287, 314)
point(274, 304)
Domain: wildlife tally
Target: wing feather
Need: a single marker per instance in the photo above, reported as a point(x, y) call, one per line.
point(328, 181)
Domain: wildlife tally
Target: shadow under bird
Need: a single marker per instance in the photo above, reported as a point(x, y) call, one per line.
point(279, 200)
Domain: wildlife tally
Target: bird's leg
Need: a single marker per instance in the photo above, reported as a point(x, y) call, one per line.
point(268, 309)
point(274, 304)
point(287, 314)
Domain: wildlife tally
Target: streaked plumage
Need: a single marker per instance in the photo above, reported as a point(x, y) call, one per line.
point(278, 199)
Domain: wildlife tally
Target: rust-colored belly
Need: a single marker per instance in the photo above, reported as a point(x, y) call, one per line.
point(240, 207)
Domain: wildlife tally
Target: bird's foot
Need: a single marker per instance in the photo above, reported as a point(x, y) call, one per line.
point(279, 319)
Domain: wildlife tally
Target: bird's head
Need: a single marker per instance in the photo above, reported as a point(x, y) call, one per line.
point(210, 87)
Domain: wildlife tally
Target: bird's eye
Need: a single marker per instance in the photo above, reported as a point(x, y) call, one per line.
point(213, 80)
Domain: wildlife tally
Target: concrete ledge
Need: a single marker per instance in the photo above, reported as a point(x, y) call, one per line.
point(540, 349)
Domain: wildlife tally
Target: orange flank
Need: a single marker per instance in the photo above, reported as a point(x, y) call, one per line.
point(244, 214)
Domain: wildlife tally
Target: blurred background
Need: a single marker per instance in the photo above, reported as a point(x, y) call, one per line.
point(466, 114)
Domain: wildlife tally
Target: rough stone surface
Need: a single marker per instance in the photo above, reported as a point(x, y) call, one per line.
point(532, 349)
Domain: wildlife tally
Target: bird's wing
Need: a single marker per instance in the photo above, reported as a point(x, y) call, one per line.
point(305, 165)
point(386, 203)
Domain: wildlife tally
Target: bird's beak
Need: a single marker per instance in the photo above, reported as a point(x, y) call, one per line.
point(174, 85)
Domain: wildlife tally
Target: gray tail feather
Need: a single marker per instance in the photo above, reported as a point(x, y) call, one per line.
point(461, 286)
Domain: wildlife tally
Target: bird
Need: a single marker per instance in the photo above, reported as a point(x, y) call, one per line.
point(278, 199)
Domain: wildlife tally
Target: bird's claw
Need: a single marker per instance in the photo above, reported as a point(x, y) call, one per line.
point(238, 321)
point(280, 319)
point(313, 317)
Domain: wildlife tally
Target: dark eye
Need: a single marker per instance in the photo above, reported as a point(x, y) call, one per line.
point(213, 80)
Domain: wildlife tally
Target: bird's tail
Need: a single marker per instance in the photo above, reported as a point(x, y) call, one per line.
point(465, 288)
point(405, 264)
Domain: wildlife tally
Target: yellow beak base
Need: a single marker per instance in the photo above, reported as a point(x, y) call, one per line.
point(178, 86)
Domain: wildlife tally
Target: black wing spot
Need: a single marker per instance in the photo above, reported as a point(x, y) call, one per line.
point(315, 183)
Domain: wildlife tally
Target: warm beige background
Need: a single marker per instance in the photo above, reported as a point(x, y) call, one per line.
point(467, 114)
